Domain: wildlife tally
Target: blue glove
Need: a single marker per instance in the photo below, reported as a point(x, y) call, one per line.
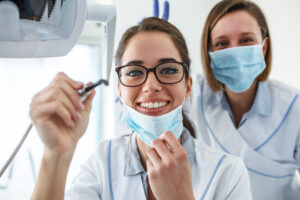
point(156, 10)
point(166, 10)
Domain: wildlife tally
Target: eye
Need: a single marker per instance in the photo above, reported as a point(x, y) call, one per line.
point(221, 44)
point(247, 41)
point(134, 73)
point(169, 70)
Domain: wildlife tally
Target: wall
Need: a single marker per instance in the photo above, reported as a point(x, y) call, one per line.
point(283, 18)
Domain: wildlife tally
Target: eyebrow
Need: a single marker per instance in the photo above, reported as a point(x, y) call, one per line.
point(140, 62)
point(242, 34)
point(221, 37)
point(135, 62)
point(164, 60)
point(248, 33)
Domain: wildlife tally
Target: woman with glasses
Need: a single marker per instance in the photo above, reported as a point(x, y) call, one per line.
point(159, 158)
point(238, 110)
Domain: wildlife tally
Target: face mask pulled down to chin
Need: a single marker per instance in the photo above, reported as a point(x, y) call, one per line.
point(149, 128)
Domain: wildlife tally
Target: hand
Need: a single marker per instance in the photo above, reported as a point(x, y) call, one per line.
point(59, 115)
point(168, 169)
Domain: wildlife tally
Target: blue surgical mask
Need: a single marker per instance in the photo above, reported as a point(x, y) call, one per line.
point(238, 67)
point(150, 128)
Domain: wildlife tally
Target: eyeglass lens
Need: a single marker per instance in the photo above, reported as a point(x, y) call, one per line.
point(165, 73)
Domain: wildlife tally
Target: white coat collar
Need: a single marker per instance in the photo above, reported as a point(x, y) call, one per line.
point(262, 103)
point(133, 165)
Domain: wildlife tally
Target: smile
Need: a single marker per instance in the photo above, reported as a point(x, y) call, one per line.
point(153, 104)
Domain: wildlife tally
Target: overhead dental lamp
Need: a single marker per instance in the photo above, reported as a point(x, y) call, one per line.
point(51, 28)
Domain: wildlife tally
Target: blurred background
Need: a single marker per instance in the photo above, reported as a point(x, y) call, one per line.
point(21, 79)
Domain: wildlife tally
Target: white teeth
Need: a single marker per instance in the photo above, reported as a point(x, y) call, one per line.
point(150, 105)
point(153, 104)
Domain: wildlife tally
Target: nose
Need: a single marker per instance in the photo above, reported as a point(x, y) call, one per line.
point(151, 84)
point(234, 43)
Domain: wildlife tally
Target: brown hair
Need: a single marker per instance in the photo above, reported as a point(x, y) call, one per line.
point(154, 24)
point(219, 10)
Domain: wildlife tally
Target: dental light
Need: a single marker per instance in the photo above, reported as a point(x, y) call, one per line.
point(51, 28)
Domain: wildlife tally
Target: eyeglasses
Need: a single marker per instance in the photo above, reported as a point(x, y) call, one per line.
point(133, 75)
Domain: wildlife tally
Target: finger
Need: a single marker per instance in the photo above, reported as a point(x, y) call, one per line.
point(75, 84)
point(149, 164)
point(89, 83)
point(155, 8)
point(161, 149)
point(166, 11)
point(58, 93)
point(177, 149)
point(71, 93)
point(88, 100)
point(46, 111)
point(90, 96)
point(154, 157)
point(70, 98)
point(70, 106)
point(58, 85)
point(171, 140)
point(167, 145)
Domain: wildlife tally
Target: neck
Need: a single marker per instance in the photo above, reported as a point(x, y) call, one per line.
point(143, 148)
point(240, 103)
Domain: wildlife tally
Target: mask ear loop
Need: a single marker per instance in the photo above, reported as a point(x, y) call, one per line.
point(263, 43)
point(262, 46)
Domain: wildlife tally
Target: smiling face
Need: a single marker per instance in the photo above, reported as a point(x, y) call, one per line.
point(153, 98)
point(236, 29)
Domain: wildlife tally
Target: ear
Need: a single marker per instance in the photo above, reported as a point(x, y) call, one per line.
point(266, 46)
point(188, 87)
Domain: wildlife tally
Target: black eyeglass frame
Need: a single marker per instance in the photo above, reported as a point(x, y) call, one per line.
point(152, 69)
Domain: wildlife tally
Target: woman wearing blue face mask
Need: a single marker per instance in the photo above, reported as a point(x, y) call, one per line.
point(238, 110)
point(159, 159)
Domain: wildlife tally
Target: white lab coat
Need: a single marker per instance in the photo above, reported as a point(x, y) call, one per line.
point(215, 175)
point(269, 144)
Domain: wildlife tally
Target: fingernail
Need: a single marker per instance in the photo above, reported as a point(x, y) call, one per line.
point(89, 83)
